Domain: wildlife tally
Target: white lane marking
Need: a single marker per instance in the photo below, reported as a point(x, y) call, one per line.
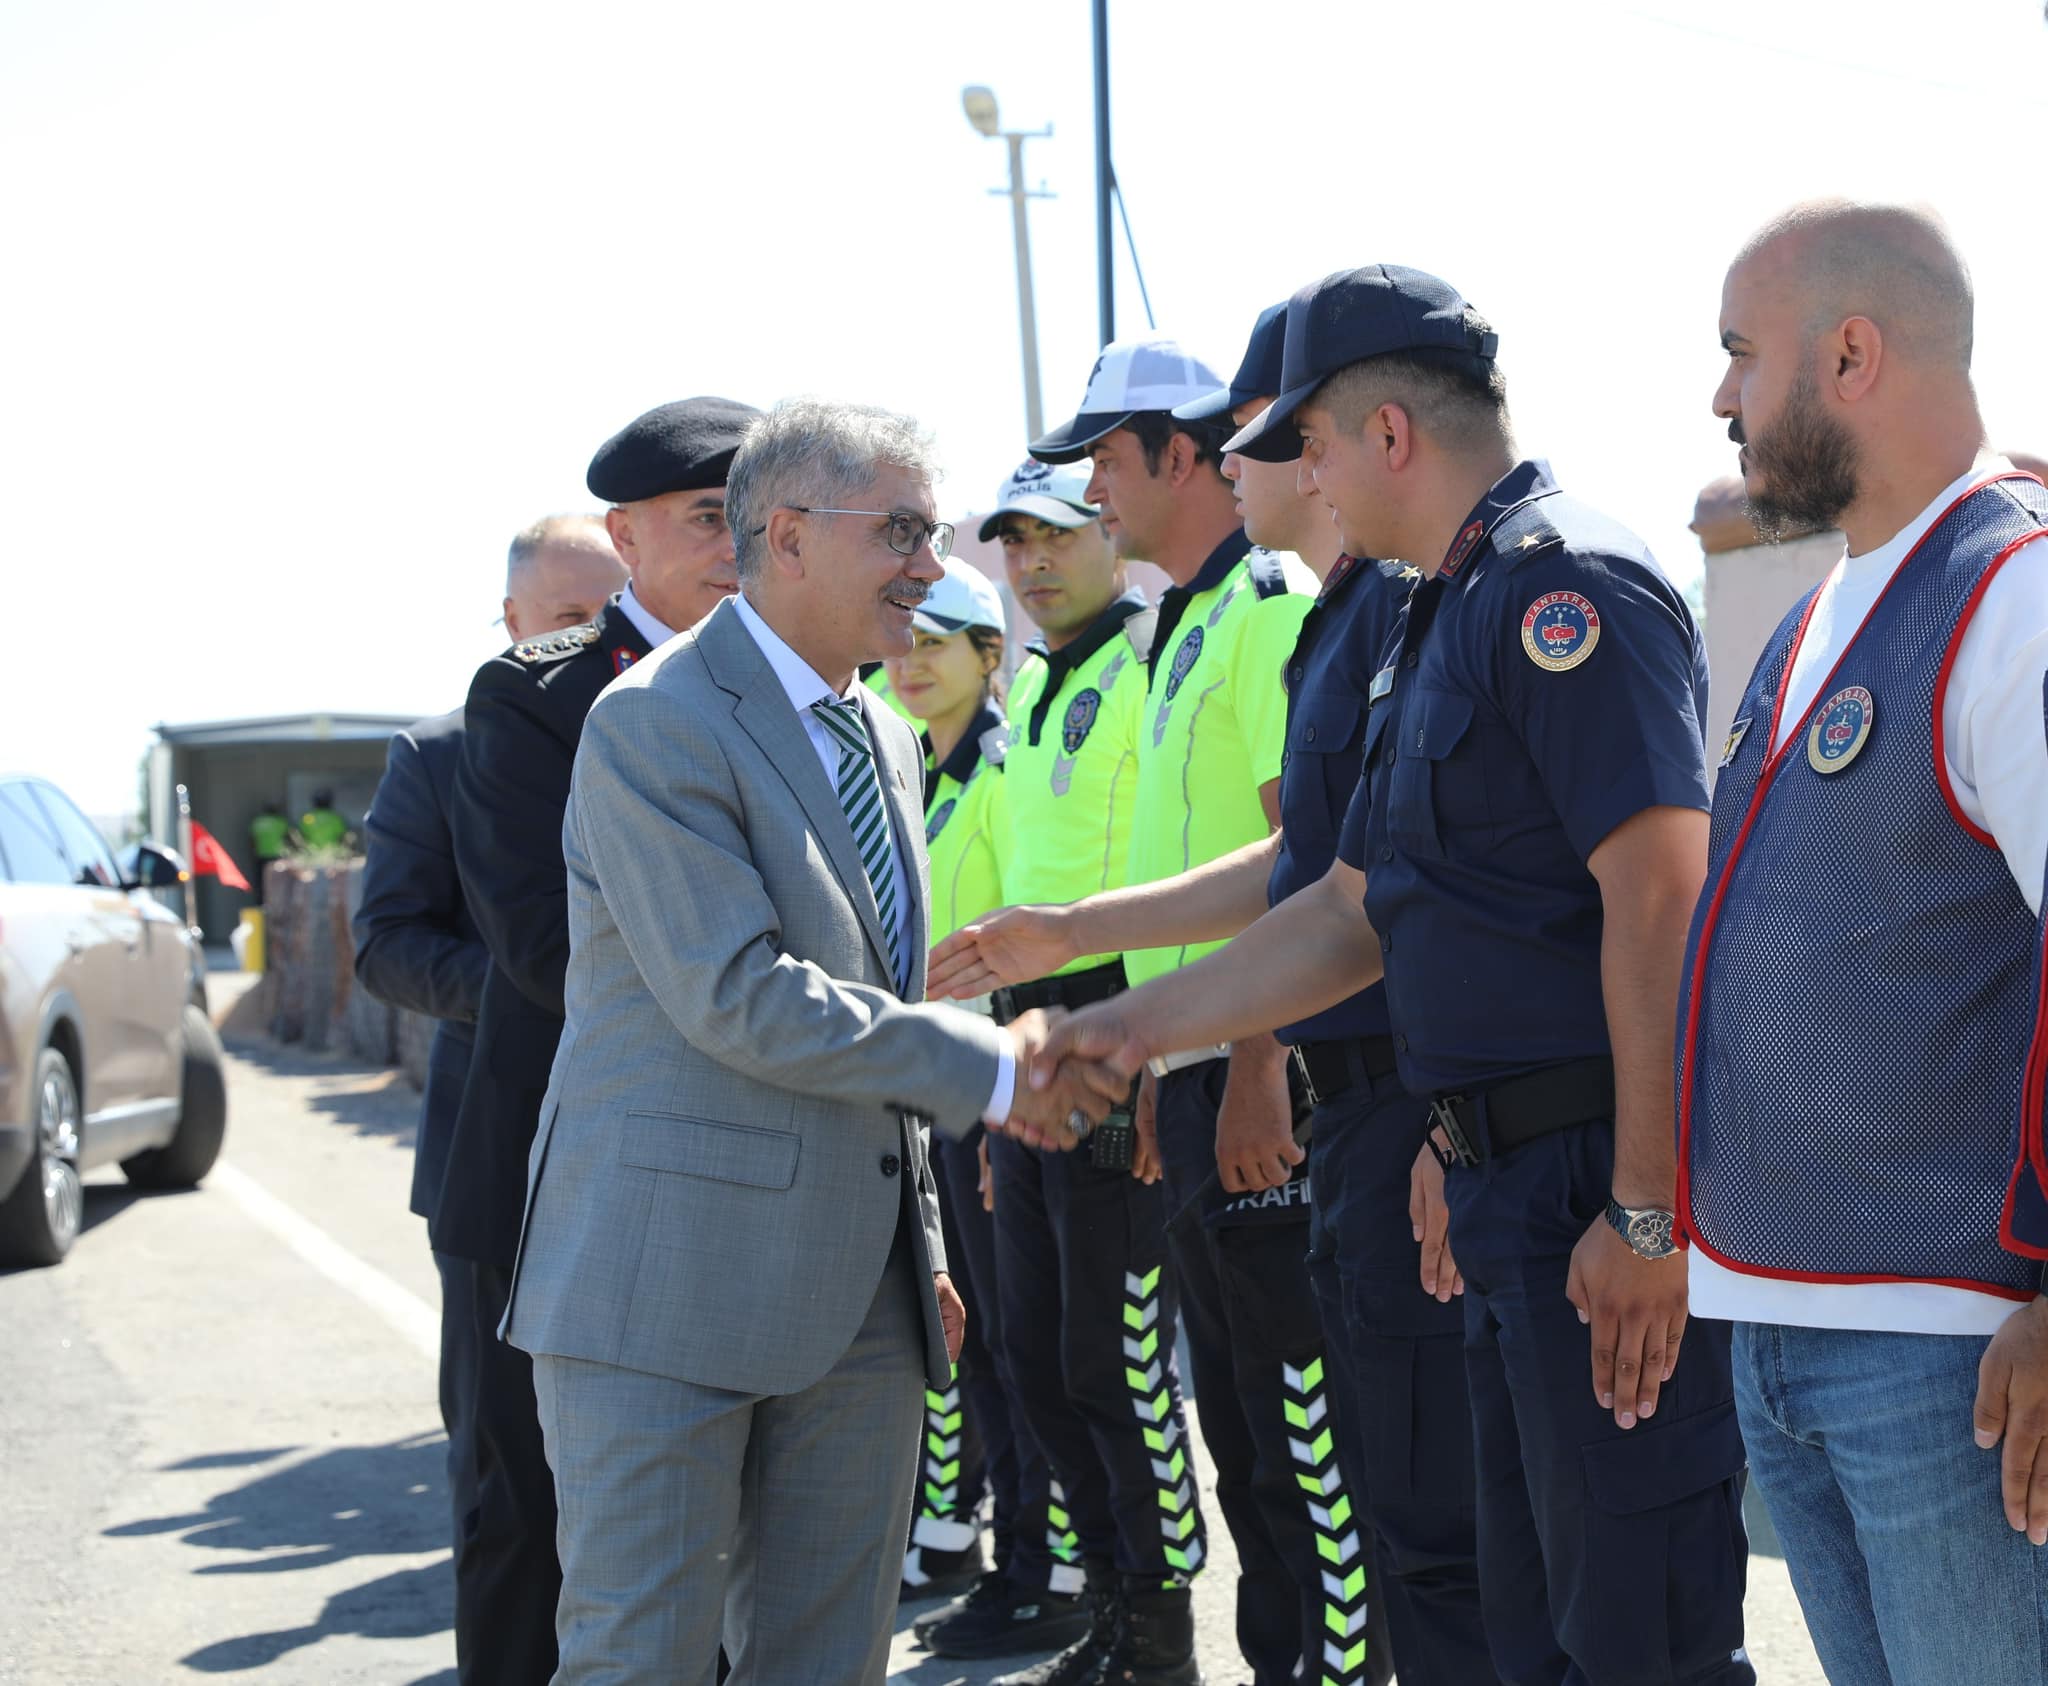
point(418, 1322)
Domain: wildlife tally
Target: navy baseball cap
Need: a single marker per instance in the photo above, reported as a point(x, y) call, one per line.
point(1258, 375)
point(1348, 317)
point(1150, 372)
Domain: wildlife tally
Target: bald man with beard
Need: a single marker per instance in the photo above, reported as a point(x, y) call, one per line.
point(1863, 1174)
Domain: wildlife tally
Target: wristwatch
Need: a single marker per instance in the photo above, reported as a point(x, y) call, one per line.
point(1647, 1229)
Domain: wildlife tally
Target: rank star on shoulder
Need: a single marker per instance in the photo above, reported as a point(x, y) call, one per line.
point(1529, 542)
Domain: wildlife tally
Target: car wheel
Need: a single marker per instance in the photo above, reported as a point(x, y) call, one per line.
point(202, 1122)
point(42, 1217)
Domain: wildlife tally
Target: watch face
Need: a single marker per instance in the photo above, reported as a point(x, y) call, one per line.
point(1647, 1229)
point(1650, 1232)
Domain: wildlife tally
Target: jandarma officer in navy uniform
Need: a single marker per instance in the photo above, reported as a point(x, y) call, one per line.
point(664, 475)
point(1520, 863)
point(1395, 1351)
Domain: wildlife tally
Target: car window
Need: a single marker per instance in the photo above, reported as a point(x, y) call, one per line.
point(35, 855)
point(91, 861)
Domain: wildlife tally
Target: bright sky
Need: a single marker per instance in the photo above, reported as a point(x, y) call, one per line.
point(308, 309)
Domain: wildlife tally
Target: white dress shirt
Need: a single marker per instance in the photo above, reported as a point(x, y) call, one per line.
point(657, 632)
point(800, 681)
point(1992, 740)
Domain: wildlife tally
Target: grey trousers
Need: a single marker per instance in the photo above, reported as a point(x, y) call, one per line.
point(776, 1522)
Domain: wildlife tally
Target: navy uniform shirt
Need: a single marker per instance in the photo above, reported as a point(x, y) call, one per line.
point(1328, 682)
point(1548, 684)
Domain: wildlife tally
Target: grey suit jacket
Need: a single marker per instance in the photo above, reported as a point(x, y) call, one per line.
point(734, 1127)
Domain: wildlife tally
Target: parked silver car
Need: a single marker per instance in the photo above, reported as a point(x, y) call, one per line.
point(106, 1050)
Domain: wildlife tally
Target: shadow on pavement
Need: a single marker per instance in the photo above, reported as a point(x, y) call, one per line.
point(409, 1604)
point(370, 1100)
point(102, 1202)
point(230, 1460)
point(109, 1200)
point(353, 1501)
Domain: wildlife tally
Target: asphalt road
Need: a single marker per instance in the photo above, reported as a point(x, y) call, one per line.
point(222, 1455)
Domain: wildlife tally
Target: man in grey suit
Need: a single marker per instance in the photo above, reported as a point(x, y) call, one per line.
point(731, 1278)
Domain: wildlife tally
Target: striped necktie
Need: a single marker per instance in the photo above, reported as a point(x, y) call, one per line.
point(860, 794)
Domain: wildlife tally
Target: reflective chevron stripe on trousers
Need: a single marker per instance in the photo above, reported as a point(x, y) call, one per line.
point(1306, 1606)
point(1088, 1324)
point(949, 1486)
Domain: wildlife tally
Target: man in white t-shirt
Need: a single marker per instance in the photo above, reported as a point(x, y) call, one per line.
point(1862, 987)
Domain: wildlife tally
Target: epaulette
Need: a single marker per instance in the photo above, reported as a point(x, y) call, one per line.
point(1268, 572)
point(1139, 631)
point(994, 745)
point(557, 644)
point(1524, 532)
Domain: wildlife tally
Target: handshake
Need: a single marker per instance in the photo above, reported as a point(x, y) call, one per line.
point(1072, 1072)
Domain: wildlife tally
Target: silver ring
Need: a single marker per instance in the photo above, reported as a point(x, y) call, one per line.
point(1080, 1123)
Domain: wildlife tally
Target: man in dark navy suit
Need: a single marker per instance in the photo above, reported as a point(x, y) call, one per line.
point(417, 947)
point(664, 477)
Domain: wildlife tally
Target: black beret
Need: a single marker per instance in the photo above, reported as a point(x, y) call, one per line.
point(679, 447)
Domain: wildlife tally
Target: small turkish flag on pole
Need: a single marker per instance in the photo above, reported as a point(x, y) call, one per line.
point(209, 856)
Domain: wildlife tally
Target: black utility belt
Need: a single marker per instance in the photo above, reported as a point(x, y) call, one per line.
point(1330, 1068)
point(1071, 990)
point(1522, 1110)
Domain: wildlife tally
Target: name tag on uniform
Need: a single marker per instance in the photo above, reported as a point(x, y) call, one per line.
point(1382, 685)
point(1728, 749)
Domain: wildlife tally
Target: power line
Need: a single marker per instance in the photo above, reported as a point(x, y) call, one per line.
point(1137, 268)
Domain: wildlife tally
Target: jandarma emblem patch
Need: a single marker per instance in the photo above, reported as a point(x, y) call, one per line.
point(1560, 630)
point(1840, 729)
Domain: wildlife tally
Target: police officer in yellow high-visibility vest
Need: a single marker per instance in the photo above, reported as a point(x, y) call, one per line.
point(1212, 736)
point(1081, 1244)
point(948, 684)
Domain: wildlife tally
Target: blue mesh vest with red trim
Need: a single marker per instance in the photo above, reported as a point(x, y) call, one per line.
point(2026, 1202)
point(1861, 990)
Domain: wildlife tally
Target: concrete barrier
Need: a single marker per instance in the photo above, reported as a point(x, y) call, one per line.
point(309, 983)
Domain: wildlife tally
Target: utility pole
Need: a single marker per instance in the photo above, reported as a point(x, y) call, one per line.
point(1105, 181)
point(980, 105)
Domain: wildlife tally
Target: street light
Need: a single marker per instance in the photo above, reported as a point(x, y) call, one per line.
point(980, 105)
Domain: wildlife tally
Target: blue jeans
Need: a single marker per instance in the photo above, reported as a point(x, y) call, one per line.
point(1890, 1516)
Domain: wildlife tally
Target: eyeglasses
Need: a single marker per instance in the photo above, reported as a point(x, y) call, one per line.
point(907, 533)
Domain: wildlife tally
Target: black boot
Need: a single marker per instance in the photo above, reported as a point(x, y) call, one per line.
point(1155, 1644)
point(1002, 1619)
point(989, 1588)
point(1082, 1663)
